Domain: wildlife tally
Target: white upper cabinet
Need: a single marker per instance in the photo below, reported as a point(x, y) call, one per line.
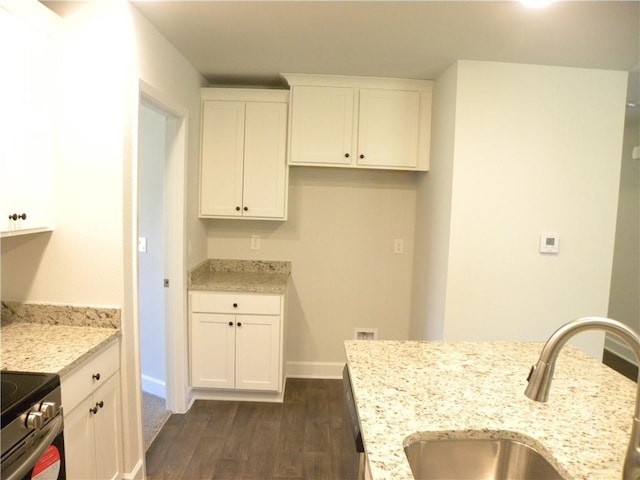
point(359, 122)
point(243, 172)
point(27, 120)
point(323, 128)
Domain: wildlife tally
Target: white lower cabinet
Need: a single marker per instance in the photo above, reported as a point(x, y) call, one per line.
point(91, 399)
point(236, 341)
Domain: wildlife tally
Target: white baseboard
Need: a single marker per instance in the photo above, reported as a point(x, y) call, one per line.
point(331, 370)
point(136, 474)
point(612, 344)
point(154, 386)
point(235, 395)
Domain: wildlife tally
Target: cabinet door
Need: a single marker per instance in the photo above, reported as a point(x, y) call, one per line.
point(107, 429)
point(26, 122)
point(322, 126)
point(221, 165)
point(265, 160)
point(212, 350)
point(78, 442)
point(388, 128)
point(258, 352)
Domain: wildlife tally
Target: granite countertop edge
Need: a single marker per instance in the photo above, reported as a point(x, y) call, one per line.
point(249, 276)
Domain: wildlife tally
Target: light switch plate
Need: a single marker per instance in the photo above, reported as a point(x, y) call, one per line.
point(255, 242)
point(142, 244)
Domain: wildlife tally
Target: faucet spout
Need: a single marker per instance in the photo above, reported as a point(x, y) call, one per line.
point(542, 373)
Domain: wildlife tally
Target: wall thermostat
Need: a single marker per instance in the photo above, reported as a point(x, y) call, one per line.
point(549, 243)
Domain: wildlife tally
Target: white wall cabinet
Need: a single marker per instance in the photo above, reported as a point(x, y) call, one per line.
point(236, 341)
point(243, 172)
point(91, 399)
point(27, 146)
point(359, 122)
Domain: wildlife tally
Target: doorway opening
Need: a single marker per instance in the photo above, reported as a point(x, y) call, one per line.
point(160, 258)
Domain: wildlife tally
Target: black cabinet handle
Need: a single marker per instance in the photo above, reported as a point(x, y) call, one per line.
point(15, 216)
point(235, 305)
point(100, 404)
point(362, 155)
point(246, 209)
point(239, 324)
point(94, 410)
point(237, 209)
point(346, 155)
point(231, 324)
point(96, 376)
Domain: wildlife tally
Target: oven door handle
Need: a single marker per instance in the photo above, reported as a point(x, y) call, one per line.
point(26, 464)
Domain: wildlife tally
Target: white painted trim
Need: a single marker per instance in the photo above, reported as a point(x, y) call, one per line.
point(136, 474)
point(612, 344)
point(294, 79)
point(175, 237)
point(154, 386)
point(330, 370)
point(244, 94)
point(237, 395)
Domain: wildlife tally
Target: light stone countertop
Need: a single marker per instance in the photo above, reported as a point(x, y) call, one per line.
point(35, 347)
point(401, 388)
point(249, 276)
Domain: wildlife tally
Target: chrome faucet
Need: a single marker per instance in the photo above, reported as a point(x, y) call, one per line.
point(542, 373)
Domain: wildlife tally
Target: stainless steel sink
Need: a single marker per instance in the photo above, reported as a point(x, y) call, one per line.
point(467, 457)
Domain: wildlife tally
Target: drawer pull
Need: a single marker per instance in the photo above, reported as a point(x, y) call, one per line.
point(239, 324)
point(231, 324)
point(235, 305)
point(96, 376)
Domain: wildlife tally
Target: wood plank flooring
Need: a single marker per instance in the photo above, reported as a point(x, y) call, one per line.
point(302, 438)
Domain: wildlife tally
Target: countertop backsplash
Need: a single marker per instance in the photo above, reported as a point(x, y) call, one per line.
point(69, 315)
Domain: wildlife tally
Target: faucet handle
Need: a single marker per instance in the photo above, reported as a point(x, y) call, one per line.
point(533, 367)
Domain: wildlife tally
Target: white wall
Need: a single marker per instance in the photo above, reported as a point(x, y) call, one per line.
point(537, 150)
point(624, 302)
point(90, 258)
point(433, 216)
point(339, 238)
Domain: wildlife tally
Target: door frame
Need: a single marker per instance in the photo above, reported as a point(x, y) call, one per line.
point(175, 242)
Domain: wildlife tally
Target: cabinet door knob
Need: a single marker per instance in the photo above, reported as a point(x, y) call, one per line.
point(235, 305)
point(346, 155)
point(239, 324)
point(246, 209)
point(362, 155)
point(94, 410)
point(100, 404)
point(237, 209)
point(96, 376)
point(231, 324)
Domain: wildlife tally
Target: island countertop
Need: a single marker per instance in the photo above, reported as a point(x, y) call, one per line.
point(450, 388)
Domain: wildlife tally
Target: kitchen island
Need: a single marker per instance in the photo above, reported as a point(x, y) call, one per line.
point(459, 388)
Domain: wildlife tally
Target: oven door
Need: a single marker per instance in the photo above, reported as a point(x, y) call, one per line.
point(39, 458)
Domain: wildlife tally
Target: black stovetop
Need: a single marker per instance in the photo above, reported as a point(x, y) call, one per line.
point(20, 390)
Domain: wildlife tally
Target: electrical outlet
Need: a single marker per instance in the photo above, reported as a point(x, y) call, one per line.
point(398, 245)
point(255, 242)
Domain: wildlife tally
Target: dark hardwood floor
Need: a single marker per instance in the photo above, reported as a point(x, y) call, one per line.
point(301, 438)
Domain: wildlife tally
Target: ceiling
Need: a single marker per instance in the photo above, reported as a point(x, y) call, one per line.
point(252, 42)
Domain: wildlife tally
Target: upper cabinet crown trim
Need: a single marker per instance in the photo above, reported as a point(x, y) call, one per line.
point(244, 94)
point(294, 79)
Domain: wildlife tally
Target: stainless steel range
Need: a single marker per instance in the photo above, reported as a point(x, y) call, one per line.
point(32, 427)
